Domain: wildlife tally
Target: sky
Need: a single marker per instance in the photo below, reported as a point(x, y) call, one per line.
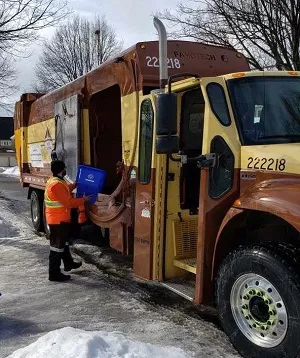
point(132, 20)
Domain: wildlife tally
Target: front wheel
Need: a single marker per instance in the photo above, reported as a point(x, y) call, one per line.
point(258, 297)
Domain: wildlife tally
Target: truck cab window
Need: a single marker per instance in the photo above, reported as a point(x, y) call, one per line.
point(191, 138)
point(267, 109)
point(218, 103)
point(221, 177)
point(191, 126)
point(146, 141)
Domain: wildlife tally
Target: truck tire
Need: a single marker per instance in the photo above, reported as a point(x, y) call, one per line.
point(258, 298)
point(36, 208)
point(46, 226)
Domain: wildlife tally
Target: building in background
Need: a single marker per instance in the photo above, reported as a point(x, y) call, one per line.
point(7, 155)
point(6, 132)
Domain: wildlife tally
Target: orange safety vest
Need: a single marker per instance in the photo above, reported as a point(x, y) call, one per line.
point(55, 211)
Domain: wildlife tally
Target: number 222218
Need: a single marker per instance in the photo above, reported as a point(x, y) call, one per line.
point(154, 62)
point(266, 164)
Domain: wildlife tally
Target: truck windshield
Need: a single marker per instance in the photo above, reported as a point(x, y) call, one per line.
point(267, 109)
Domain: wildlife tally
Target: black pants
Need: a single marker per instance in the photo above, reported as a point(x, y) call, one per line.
point(59, 248)
point(75, 227)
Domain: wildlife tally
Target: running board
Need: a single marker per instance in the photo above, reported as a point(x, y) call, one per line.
point(183, 288)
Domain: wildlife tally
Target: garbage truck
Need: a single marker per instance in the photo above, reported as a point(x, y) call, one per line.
point(202, 185)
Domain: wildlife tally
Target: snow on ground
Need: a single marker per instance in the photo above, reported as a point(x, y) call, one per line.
point(96, 303)
point(11, 171)
point(69, 343)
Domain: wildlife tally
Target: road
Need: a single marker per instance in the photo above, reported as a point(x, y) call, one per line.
point(101, 296)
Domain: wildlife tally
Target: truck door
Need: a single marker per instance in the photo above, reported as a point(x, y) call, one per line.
point(196, 199)
point(219, 185)
point(182, 193)
point(144, 197)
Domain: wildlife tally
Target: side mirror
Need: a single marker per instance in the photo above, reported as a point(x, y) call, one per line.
point(167, 144)
point(167, 141)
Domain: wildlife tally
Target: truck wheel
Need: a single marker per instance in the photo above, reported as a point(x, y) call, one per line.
point(46, 226)
point(258, 298)
point(36, 206)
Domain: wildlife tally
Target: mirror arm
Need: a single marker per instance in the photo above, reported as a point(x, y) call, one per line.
point(210, 160)
point(171, 156)
point(178, 75)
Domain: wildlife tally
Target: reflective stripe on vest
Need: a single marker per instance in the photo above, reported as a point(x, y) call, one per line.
point(52, 203)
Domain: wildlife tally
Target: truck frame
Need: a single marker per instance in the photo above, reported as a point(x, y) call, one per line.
point(202, 188)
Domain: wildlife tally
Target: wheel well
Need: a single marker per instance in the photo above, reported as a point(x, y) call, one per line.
point(253, 227)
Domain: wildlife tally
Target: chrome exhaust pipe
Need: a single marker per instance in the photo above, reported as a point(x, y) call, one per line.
point(163, 52)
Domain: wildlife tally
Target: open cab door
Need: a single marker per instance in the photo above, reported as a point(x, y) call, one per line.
point(218, 185)
point(196, 182)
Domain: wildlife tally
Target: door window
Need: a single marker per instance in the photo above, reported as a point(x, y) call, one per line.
point(191, 138)
point(218, 103)
point(146, 142)
point(192, 117)
point(221, 177)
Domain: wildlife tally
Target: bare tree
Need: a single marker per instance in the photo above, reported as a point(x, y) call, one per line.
point(20, 22)
point(266, 31)
point(8, 84)
point(75, 49)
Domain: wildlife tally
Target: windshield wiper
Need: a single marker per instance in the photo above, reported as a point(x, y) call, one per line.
point(295, 136)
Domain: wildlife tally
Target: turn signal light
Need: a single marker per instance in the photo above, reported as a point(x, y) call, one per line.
point(237, 203)
point(239, 74)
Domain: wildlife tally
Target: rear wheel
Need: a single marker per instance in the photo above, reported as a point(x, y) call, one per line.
point(258, 297)
point(36, 206)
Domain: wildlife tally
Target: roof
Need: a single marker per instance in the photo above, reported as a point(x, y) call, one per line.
point(6, 127)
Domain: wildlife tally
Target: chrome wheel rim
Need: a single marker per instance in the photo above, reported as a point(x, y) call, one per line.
point(35, 210)
point(259, 310)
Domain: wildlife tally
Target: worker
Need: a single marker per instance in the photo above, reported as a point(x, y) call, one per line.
point(59, 202)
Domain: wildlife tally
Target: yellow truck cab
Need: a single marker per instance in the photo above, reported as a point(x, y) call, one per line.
point(240, 242)
point(207, 196)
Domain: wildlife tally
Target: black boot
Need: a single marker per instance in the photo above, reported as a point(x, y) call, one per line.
point(69, 264)
point(54, 268)
point(60, 278)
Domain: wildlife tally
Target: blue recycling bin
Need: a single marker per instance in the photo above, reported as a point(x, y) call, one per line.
point(90, 181)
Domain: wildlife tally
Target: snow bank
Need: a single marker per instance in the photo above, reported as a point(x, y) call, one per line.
point(70, 342)
point(12, 171)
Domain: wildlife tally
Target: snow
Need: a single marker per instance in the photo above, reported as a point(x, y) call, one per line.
point(98, 302)
point(11, 171)
point(70, 342)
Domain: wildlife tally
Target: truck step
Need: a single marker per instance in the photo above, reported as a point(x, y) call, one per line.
point(186, 264)
point(182, 287)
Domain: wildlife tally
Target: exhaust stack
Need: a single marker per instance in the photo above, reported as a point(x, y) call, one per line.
point(163, 65)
